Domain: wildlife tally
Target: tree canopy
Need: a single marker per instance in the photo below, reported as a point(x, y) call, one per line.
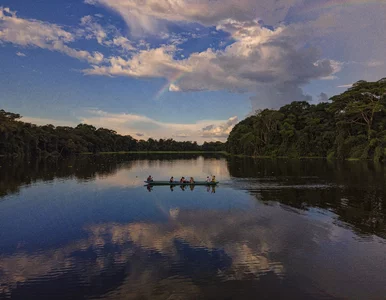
point(20, 138)
point(351, 125)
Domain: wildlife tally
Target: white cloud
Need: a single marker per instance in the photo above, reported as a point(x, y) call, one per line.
point(132, 124)
point(220, 131)
point(124, 43)
point(93, 29)
point(39, 34)
point(272, 62)
point(259, 60)
point(20, 54)
point(145, 15)
point(142, 127)
point(261, 56)
point(107, 37)
point(157, 62)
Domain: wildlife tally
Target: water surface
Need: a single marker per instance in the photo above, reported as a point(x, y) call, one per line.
point(87, 228)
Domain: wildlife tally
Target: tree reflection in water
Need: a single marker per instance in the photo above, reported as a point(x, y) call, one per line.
point(279, 248)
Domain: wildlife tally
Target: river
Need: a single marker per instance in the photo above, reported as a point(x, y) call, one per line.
point(87, 228)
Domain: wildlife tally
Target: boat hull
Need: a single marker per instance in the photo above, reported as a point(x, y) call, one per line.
point(178, 183)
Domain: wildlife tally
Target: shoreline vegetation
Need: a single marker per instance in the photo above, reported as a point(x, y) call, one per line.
point(18, 138)
point(352, 126)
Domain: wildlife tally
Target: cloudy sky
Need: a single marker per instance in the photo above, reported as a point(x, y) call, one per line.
point(186, 69)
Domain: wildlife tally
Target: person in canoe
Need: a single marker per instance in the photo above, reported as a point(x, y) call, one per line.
point(191, 180)
point(149, 179)
point(213, 178)
point(171, 179)
point(207, 179)
point(182, 180)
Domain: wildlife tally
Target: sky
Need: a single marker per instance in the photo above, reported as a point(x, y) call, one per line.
point(181, 69)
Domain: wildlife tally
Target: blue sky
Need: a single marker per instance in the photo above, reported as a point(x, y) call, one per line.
point(189, 70)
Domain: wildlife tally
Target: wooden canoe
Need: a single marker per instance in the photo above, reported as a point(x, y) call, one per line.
point(178, 183)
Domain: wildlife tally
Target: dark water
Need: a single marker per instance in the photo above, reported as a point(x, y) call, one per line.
point(87, 228)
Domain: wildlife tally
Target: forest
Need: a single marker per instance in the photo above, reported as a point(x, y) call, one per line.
point(18, 138)
point(351, 125)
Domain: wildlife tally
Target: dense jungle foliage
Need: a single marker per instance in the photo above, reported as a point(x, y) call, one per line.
point(351, 125)
point(20, 138)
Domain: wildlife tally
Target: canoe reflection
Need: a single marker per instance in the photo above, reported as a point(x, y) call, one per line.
point(210, 189)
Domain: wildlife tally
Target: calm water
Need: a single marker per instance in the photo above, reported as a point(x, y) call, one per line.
point(87, 228)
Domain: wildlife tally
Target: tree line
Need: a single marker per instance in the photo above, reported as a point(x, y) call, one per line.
point(350, 125)
point(21, 138)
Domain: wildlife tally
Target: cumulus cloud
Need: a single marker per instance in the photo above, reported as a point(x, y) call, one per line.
point(220, 131)
point(132, 124)
point(269, 62)
point(39, 34)
point(157, 62)
point(20, 54)
point(262, 56)
point(143, 127)
point(272, 61)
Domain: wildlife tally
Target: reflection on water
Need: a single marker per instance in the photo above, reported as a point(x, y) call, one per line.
point(355, 191)
point(191, 187)
point(88, 228)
